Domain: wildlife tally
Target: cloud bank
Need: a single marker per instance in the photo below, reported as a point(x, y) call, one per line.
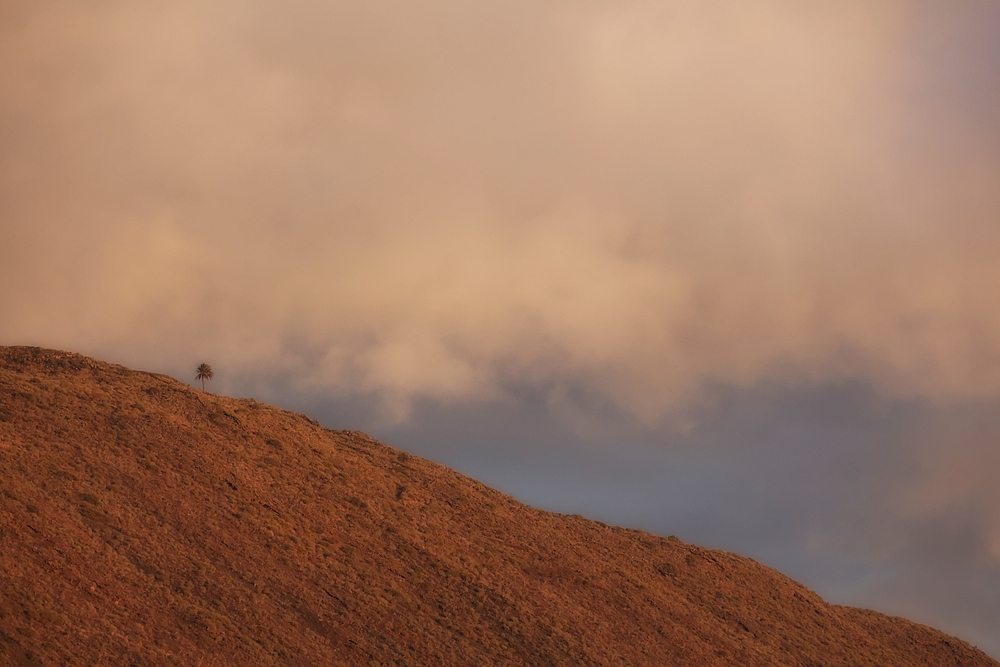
point(628, 200)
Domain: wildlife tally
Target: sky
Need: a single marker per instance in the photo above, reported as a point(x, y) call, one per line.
point(715, 269)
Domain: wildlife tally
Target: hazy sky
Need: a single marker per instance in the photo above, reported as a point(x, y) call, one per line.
point(726, 270)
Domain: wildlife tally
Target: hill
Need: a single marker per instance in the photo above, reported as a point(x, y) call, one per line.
point(144, 522)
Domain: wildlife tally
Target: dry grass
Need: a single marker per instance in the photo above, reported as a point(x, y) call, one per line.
point(145, 522)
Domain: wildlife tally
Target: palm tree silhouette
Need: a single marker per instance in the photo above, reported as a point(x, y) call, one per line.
point(204, 372)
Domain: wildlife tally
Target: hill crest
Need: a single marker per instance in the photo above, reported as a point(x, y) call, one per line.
point(144, 521)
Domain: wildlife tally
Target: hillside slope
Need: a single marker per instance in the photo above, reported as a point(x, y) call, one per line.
point(145, 522)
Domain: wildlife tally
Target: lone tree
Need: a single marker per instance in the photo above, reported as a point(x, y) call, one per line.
point(203, 373)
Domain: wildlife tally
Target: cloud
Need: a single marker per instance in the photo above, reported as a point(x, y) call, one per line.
point(442, 201)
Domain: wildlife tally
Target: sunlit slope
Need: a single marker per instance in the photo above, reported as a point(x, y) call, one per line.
point(146, 522)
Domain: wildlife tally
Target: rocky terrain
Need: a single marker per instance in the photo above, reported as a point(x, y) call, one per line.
point(145, 522)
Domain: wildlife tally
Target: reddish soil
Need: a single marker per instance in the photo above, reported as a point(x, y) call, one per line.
point(144, 522)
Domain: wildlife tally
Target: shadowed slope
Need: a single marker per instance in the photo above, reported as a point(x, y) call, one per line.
point(146, 522)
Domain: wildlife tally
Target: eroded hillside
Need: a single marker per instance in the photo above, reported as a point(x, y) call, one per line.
point(145, 522)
